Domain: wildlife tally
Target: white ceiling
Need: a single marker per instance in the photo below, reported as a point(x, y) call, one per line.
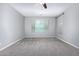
point(36, 9)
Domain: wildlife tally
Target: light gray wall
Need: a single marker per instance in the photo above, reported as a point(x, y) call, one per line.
point(59, 25)
point(11, 25)
point(30, 33)
point(70, 27)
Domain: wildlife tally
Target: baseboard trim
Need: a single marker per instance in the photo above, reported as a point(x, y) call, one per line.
point(67, 42)
point(9, 44)
point(41, 37)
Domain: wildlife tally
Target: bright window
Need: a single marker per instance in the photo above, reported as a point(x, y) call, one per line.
point(40, 26)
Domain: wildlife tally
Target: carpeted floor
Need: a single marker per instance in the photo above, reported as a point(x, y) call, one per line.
point(40, 47)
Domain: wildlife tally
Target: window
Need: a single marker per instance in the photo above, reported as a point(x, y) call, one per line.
point(40, 26)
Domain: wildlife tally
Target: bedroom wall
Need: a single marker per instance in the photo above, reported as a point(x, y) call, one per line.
point(70, 27)
point(28, 27)
point(11, 25)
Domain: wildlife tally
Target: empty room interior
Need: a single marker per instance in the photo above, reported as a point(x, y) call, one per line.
point(39, 29)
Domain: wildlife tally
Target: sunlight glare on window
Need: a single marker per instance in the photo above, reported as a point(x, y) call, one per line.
point(40, 26)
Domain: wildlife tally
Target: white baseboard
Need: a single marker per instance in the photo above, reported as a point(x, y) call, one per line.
point(67, 42)
point(42, 37)
point(9, 44)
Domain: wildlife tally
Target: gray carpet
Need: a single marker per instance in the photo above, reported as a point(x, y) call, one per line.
point(40, 47)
